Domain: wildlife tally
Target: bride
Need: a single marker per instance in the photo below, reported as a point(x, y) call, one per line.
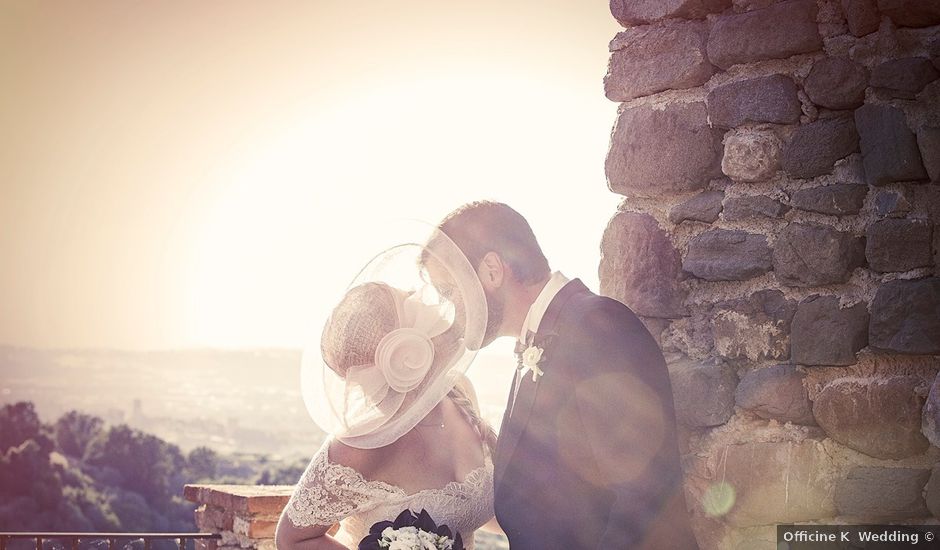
point(387, 383)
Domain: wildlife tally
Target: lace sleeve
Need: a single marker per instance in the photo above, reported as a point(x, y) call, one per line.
point(328, 493)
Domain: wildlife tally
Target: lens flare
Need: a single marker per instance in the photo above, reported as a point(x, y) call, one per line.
point(718, 499)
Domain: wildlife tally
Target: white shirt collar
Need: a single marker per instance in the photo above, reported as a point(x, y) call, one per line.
point(537, 310)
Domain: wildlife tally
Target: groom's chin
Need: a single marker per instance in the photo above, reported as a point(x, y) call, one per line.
point(486, 341)
point(477, 348)
point(488, 338)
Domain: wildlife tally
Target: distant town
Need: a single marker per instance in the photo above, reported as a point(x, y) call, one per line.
point(235, 402)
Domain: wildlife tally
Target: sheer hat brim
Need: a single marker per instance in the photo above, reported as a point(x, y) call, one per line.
point(441, 316)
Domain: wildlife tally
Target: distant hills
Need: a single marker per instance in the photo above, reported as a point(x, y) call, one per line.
point(230, 401)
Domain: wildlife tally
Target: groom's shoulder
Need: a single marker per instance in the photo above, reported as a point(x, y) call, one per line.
point(593, 314)
point(610, 332)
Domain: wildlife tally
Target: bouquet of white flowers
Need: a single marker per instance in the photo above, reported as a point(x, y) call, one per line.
point(411, 532)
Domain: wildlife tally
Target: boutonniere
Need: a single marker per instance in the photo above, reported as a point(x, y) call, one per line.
point(530, 362)
point(531, 354)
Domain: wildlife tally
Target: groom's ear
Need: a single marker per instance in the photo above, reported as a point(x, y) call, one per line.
point(492, 270)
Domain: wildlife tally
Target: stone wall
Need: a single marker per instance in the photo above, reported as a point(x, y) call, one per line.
point(780, 236)
point(244, 515)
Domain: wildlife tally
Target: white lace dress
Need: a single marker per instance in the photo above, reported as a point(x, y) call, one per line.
point(328, 493)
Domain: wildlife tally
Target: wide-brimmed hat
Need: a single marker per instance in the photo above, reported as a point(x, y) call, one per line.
point(403, 334)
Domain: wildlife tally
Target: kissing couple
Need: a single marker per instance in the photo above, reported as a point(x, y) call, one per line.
point(586, 456)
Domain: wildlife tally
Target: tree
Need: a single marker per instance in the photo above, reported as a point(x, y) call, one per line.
point(202, 463)
point(74, 432)
point(145, 462)
point(129, 480)
point(26, 470)
point(283, 475)
point(18, 423)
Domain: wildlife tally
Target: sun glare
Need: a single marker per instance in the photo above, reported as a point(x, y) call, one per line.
point(298, 204)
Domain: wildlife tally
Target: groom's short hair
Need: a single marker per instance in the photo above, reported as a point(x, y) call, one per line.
point(480, 227)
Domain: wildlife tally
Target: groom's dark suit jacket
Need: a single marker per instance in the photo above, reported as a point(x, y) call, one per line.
point(588, 458)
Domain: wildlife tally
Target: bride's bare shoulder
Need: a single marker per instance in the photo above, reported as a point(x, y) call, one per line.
point(364, 461)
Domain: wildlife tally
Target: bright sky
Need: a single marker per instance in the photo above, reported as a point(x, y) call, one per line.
point(192, 174)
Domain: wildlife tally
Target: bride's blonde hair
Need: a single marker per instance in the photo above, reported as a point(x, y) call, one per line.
point(362, 318)
point(470, 412)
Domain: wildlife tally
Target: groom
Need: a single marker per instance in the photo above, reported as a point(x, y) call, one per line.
point(587, 454)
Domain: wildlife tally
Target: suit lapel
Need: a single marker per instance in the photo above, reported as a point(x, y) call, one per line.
point(513, 426)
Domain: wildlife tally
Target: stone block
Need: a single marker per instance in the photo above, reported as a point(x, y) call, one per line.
point(930, 421)
point(932, 494)
point(755, 328)
point(898, 245)
point(928, 140)
point(889, 148)
point(254, 528)
point(741, 6)
point(650, 59)
point(835, 200)
point(814, 148)
point(893, 204)
point(911, 13)
point(213, 519)
point(771, 98)
point(837, 83)
point(753, 207)
point(727, 255)
point(775, 393)
point(256, 500)
point(778, 482)
point(657, 151)
point(640, 267)
point(904, 77)
point(862, 16)
point(776, 32)
point(231, 541)
point(927, 199)
point(637, 12)
point(879, 417)
point(905, 317)
point(826, 334)
point(882, 494)
point(751, 155)
point(703, 392)
point(810, 255)
point(704, 207)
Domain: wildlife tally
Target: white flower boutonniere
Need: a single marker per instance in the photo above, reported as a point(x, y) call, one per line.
point(530, 362)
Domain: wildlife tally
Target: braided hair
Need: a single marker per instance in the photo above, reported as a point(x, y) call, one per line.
point(461, 398)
